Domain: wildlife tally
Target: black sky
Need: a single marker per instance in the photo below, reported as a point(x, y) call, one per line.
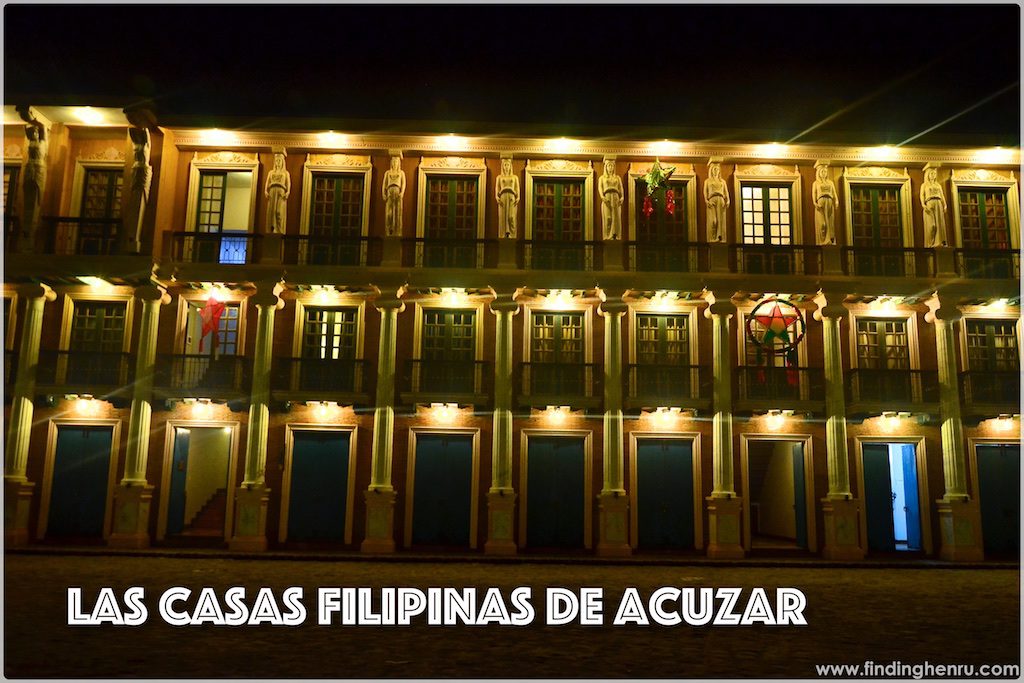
point(645, 70)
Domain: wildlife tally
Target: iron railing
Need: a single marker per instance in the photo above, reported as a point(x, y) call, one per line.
point(668, 257)
point(990, 387)
point(557, 255)
point(988, 264)
point(892, 387)
point(761, 259)
point(561, 383)
point(203, 372)
point(320, 250)
point(441, 378)
point(76, 236)
point(85, 368)
point(433, 252)
point(214, 247)
point(320, 375)
point(781, 383)
point(668, 385)
point(888, 262)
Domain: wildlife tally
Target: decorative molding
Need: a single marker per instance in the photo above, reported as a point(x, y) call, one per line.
point(336, 163)
point(880, 175)
point(13, 152)
point(983, 175)
point(225, 157)
point(449, 166)
point(767, 170)
point(874, 173)
point(559, 166)
point(342, 160)
point(981, 178)
point(562, 168)
point(453, 162)
point(108, 154)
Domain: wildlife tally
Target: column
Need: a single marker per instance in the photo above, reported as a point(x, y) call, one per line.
point(133, 496)
point(959, 516)
point(613, 505)
point(724, 507)
point(841, 511)
point(250, 527)
point(501, 497)
point(380, 497)
point(17, 488)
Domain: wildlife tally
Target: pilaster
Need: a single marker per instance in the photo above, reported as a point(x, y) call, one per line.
point(613, 502)
point(501, 497)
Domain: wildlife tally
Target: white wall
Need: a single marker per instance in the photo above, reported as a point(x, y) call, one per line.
point(209, 450)
point(237, 199)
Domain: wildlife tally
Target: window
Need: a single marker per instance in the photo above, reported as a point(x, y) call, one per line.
point(337, 205)
point(883, 362)
point(557, 353)
point(334, 214)
point(663, 355)
point(451, 217)
point(992, 345)
point(558, 210)
point(876, 226)
point(660, 226)
point(221, 209)
point(101, 193)
point(329, 349)
point(448, 351)
point(11, 174)
point(766, 214)
point(223, 343)
point(984, 222)
point(97, 344)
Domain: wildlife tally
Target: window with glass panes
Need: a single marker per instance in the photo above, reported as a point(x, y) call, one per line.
point(766, 214)
point(992, 345)
point(451, 207)
point(98, 327)
point(882, 344)
point(101, 193)
point(227, 330)
point(983, 219)
point(661, 226)
point(10, 185)
point(337, 205)
point(558, 210)
point(212, 188)
point(448, 351)
point(776, 359)
point(557, 338)
point(662, 339)
point(329, 333)
point(875, 216)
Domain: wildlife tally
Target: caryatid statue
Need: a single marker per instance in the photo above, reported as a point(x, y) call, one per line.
point(277, 190)
point(138, 190)
point(933, 201)
point(824, 194)
point(610, 188)
point(34, 182)
point(393, 189)
point(716, 198)
point(506, 191)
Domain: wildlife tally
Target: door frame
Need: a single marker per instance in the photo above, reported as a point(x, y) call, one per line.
point(808, 453)
point(165, 478)
point(698, 508)
point(410, 479)
point(923, 498)
point(53, 425)
point(972, 465)
point(286, 476)
point(588, 484)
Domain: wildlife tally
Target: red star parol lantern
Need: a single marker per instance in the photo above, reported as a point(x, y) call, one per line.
point(775, 327)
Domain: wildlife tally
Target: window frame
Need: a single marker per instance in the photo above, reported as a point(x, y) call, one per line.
point(307, 300)
point(434, 303)
point(909, 316)
point(982, 313)
point(340, 164)
point(181, 324)
point(588, 326)
point(226, 162)
point(879, 176)
point(758, 174)
point(19, 163)
point(450, 166)
point(985, 179)
point(68, 315)
point(681, 309)
point(684, 173)
point(561, 169)
point(82, 167)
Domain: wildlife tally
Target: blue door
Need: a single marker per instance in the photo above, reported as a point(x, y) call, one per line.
point(664, 493)
point(799, 495)
point(999, 493)
point(179, 475)
point(318, 496)
point(878, 497)
point(555, 492)
point(78, 491)
point(911, 506)
point(443, 485)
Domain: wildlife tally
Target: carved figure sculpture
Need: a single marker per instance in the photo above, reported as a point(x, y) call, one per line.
point(933, 201)
point(716, 198)
point(141, 179)
point(393, 190)
point(610, 188)
point(34, 182)
point(506, 191)
point(277, 190)
point(824, 193)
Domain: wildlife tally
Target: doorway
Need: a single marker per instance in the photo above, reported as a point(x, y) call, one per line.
point(80, 482)
point(891, 497)
point(442, 491)
point(556, 492)
point(197, 497)
point(776, 488)
point(664, 494)
point(999, 497)
point(318, 486)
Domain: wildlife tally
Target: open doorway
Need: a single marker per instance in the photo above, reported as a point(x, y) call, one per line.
point(891, 498)
point(776, 487)
point(197, 498)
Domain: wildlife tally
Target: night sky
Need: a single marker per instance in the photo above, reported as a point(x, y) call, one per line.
point(762, 73)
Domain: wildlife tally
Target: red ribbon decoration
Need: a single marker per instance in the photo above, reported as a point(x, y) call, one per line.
point(670, 202)
point(648, 206)
point(210, 315)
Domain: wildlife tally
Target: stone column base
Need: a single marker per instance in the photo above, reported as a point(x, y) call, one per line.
point(724, 528)
point(960, 526)
point(507, 257)
point(380, 521)
point(613, 523)
point(131, 516)
point(250, 529)
point(842, 529)
point(392, 255)
point(501, 505)
point(17, 502)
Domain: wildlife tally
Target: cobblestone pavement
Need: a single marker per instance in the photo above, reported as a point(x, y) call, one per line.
point(911, 615)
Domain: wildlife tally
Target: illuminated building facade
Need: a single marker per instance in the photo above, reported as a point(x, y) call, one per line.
point(295, 339)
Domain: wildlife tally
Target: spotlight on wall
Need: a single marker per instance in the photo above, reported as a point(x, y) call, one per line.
point(444, 413)
point(84, 404)
point(323, 294)
point(772, 149)
point(995, 155)
point(454, 297)
point(332, 139)
point(96, 283)
point(664, 300)
point(89, 116)
point(452, 143)
point(558, 298)
point(776, 419)
point(1005, 423)
point(215, 291)
point(884, 304)
point(666, 416)
point(561, 146)
point(891, 421)
point(883, 153)
point(216, 136)
point(664, 148)
point(557, 415)
point(202, 408)
point(323, 410)
point(998, 304)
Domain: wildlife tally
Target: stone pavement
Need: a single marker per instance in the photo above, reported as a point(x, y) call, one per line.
point(909, 614)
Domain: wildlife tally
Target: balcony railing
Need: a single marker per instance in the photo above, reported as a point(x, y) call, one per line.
point(990, 264)
point(203, 372)
point(894, 388)
point(320, 375)
point(445, 380)
point(667, 385)
point(990, 387)
point(759, 259)
point(76, 236)
point(214, 247)
point(668, 257)
point(780, 384)
point(552, 255)
point(889, 262)
point(430, 252)
point(561, 383)
point(317, 250)
point(86, 369)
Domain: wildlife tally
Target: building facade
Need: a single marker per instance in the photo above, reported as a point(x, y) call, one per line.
point(294, 339)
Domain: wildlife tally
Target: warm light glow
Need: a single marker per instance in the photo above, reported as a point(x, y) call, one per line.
point(561, 146)
point(889, 422)
point(771, 149)
point(999, 304)
point(332, 139)
point(452, 142)
point(216, 292)
point(883, 153)
point(666, 148)
point(444, 413)
point(884, 304)
point(666, 417)
point(1004, 423)
point(454, 297)
point(95, 282)
point(86, 405)
point(558, 298)
point(216, 136)
point(323, 294)
point(557, 415)
point(775, 420)
point(202, 409)
point(996, 155)
point(664, 300)
point(323, 410)
point(227, 430)
point(89, 116)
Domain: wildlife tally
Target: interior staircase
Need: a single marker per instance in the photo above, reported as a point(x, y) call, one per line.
point(209, 521)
